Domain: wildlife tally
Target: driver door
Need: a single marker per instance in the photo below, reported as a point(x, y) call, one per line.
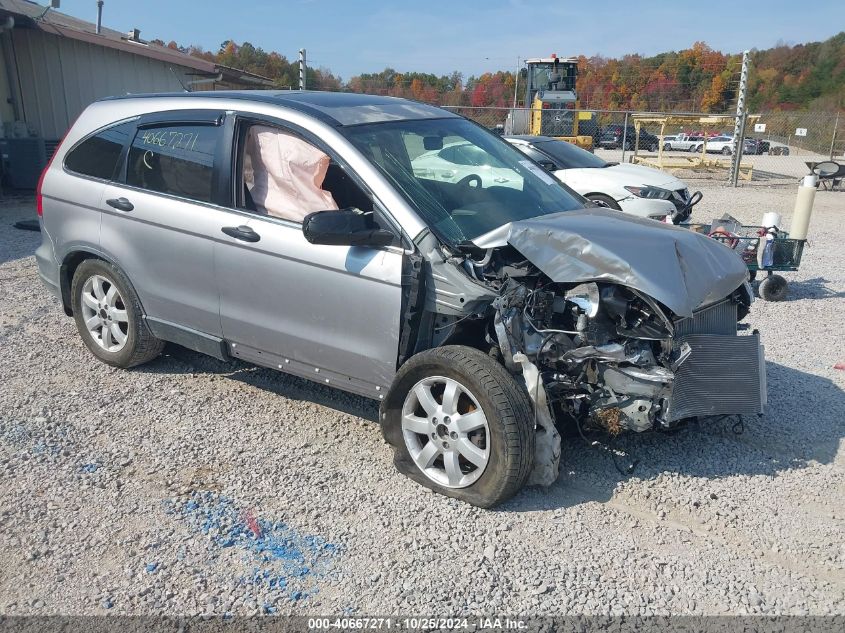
point(329, 313)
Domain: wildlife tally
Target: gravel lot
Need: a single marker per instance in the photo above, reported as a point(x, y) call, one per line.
point(194, 486)
point(767, 170)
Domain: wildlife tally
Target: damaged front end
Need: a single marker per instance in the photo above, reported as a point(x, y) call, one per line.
point(602, 355)
point(609, 354)
point(574, 312)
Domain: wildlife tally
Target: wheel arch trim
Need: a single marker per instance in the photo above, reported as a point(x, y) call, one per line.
point(71, 260)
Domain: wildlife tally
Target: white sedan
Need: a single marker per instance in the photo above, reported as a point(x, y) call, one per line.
point(461, 161)
point(629, 188)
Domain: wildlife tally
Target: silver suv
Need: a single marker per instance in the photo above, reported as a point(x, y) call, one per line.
point(484, 307)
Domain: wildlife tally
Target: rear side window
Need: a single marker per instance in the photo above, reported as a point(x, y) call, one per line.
point(98, 155)
point(175, 159)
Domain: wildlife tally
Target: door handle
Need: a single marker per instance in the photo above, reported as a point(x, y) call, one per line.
point(121, 204)
point(242, 232)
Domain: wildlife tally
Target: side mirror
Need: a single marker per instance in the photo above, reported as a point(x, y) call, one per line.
point(344, 227)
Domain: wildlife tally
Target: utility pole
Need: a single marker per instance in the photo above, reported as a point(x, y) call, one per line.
point(302, 69)
point(741, 117)
point(833, 139)
point(516, 81)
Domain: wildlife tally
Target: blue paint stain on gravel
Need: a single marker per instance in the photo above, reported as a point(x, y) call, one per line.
point(280, 559)
point(90, 468)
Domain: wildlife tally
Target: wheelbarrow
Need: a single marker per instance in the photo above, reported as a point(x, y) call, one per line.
point(785, 254)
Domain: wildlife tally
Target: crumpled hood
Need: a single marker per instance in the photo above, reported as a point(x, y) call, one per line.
point(676, 266)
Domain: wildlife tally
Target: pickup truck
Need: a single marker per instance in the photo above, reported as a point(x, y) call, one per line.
point(682, 142)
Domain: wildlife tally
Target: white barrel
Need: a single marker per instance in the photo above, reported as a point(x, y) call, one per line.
point(803, 208)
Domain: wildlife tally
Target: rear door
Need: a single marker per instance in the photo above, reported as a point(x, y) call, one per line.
point(161, 219)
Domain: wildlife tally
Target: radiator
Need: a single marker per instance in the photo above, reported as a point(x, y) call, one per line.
point(724, 374)
point(717, 318)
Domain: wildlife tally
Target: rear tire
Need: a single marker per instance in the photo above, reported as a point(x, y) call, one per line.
point(726, 151)
point(109, 317)
point(426, 430)
point(604, 200)
point(773, 288)
point(652, 147)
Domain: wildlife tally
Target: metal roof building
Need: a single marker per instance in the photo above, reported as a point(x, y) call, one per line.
point(53, 65)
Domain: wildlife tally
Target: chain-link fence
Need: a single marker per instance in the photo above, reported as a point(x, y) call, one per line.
point(776, 147)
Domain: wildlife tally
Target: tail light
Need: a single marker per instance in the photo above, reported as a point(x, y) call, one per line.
point(39, 199)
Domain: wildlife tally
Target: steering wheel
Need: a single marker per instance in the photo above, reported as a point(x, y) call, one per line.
point(466, 180)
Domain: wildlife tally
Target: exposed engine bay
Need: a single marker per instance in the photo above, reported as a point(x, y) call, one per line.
point(597, 354)
point(607, 353)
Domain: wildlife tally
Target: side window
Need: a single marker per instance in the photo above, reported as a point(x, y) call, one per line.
point(285, 176)
point(464, 156)
point(536, 156)
point(175, 159)
point(448, 154)
point(98, 155)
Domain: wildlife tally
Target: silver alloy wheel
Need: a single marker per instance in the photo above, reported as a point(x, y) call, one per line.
point(446, 432)
point(104, 313)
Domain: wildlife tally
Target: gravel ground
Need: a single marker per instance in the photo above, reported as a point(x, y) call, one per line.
point(195, 486)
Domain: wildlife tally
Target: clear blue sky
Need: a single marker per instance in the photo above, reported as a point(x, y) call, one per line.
point(472, 36)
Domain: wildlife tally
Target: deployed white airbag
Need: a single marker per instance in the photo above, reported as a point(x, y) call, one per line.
point(284, 174)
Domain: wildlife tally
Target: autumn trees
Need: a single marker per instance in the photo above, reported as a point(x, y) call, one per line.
point(697, 79)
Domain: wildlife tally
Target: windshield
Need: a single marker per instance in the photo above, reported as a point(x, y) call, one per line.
point(462, 180)
point(569, 155)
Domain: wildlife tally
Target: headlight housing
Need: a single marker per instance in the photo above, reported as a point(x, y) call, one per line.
point(653, 193)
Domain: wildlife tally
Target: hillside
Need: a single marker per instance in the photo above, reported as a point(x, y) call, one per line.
point(785, 77)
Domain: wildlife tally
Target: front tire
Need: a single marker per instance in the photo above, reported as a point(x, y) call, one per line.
point(109, 317)
point(603, 200)
point(726, 151)
point(460, 425)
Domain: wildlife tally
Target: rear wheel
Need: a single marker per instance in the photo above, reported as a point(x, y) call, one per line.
point(461, 425)
point(603, 200)
point(667, 147)
point(108, 316)
point(726, 151)
point(652, 147)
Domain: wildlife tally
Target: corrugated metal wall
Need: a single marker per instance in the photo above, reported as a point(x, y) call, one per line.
point(59, 77)
point(7, 112)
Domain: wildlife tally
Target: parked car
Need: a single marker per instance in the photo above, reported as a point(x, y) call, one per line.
point(612, 137)
point(778, 149)
point(683, 142)
point(720, 145)
point(459, 160)
point(289, 230)
point(629, 188)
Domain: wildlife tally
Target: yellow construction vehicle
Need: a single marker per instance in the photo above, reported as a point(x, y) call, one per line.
point(552, 102)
